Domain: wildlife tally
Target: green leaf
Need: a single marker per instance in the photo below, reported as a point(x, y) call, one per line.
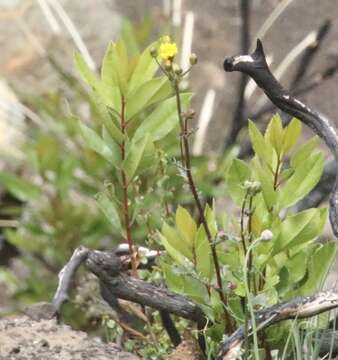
point(134, 156)
point(176, 255)
point(204, 264)
point(163, 119)
point(95, 143)
point(304, 152)
point(109, 87)
point(174, 281)
point(121, 64)
point(210, 217)
point(319, 265)
point(239, 172)
point(300, 228)
point(261, 147)
point(297, 266)
point(275, 133)
point(185, 225)
point(108, 71)
point(291, 135)
point(304, 179)
point(114, 147)
point(87, 74)
point(109, 210)
point(106, 118)
point(145, 69)
point(266, 179)
point(19, 187)
point(145, 95)
point(175, 240)
point(195, 290)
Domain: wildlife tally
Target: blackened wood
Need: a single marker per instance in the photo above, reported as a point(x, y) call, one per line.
point(256, 67)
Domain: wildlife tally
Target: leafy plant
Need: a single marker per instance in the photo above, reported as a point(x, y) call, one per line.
point(267, 253)
point(123, 172)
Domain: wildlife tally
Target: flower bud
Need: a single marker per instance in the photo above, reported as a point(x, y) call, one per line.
point(256, 187)
point(231, 286)
point(253, 187)
point(177, 69)
point(153, 52)
point(193, 59)
point(168, 65)
point(266, 235)
point(190, 114)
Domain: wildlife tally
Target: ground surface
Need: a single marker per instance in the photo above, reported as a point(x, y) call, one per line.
point(35, 338)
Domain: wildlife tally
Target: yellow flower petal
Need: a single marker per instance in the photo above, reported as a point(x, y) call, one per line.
point(168, 50)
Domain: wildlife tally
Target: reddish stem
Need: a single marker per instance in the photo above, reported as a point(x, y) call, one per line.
point(125, 194)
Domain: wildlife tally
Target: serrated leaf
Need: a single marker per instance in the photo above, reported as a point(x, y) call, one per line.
point(95, 143)
point(238, 173)
point(145, 69)
point(109, 210)
point(163, 119)
point(20, 188)
point(291, 135)
point(185, 225)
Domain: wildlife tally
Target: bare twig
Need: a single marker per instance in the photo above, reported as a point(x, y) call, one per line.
point(66, 276)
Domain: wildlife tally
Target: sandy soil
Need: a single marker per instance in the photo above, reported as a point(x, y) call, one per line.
point(37, 337)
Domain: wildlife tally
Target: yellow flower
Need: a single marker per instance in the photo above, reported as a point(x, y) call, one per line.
point(167, 49)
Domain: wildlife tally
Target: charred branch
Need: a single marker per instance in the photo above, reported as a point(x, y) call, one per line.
point(66, 277)
point(255, 66)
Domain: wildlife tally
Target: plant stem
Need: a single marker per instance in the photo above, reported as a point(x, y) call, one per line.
point(248, 296)
point(242, 222)
point(275, 181)
point(186, 160)
point(125, 184)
